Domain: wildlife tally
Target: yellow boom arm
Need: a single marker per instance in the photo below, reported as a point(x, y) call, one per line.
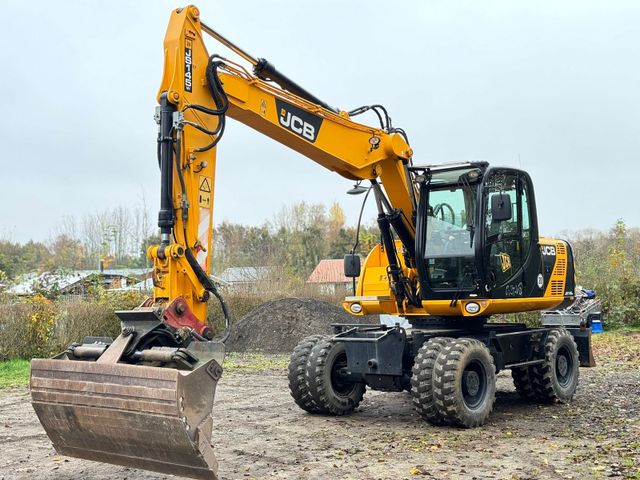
point(193, 86)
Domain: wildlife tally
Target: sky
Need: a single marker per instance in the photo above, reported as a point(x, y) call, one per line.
point(551, 87)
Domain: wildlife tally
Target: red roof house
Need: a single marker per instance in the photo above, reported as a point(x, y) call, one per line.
point(329, 276)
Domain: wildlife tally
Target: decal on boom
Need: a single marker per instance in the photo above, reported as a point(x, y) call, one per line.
point(188, 62)
point(298, 121)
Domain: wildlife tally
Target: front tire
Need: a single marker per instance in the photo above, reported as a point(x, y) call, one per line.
point(464, 383)
point(422, 380)
point(556, 380)
point(298, 385)
point(330, 392)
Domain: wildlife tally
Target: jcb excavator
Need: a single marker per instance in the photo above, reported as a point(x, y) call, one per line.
point(459, 243)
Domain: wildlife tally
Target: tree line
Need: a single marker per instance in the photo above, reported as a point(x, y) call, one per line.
point(117, 235)
point(609, 263)
point(296, 239)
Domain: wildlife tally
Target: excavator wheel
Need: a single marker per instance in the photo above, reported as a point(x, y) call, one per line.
point(556, 380)
point(464, 383)
point(523, 381)
point(330, 393)
point(422, 380)
point(298, 385)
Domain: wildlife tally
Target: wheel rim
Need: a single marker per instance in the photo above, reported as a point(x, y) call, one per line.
point(474, 384)
point(564, 366)
point(340, 387)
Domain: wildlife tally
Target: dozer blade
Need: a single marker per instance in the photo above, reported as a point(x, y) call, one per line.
point(139, 416)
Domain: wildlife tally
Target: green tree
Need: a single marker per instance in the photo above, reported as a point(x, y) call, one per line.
point(67, 253)
point(17, 259)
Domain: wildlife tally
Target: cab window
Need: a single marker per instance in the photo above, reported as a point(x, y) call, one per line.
point(507, 241)
point(449, 251)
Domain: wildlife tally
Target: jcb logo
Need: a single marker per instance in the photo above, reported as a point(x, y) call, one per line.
point(298, 121)
point(548, 250)
point(297, 125)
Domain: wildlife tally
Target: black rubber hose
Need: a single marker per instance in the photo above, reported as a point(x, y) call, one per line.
point(209, 286)
point(219, 98)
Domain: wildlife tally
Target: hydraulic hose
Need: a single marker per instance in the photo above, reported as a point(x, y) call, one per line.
point(210, 287)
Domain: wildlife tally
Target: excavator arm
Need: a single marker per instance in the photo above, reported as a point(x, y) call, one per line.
point(197, 93)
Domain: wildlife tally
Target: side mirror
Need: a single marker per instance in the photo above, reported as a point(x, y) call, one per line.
point(352, 265)
point(500, 207)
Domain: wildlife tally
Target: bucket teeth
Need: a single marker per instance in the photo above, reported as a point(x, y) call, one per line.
point(144, 417)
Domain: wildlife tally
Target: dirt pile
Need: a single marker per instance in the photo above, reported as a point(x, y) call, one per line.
point(277, 326)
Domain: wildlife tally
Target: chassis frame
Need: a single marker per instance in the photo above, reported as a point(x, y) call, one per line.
point(383, 356)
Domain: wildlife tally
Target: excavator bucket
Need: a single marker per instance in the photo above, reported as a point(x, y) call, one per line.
point(146, 417)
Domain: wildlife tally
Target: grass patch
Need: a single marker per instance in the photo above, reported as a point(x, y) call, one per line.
point(256, 362)
point(619, 347)
point(14, 373)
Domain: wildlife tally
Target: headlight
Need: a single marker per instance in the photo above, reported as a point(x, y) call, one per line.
point(472, 307)
point(355, 308)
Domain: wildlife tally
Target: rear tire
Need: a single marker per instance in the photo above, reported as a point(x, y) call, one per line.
point(298, 385)
point(523, 381)
point(464, 383)
point(556, 380)
point(329, 393)
point(422, 380)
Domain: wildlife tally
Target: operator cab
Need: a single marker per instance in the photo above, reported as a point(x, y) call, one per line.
point(477, 232)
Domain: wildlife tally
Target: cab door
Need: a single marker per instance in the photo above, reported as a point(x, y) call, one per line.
point(508, 255)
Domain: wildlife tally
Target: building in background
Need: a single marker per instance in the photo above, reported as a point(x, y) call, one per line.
point(245, 278)
point(79, 282)
point(328, 277)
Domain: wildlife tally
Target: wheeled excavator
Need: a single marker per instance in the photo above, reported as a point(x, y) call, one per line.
point(459, 244)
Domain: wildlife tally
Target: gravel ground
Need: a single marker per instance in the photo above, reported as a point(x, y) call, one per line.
point(260, 433)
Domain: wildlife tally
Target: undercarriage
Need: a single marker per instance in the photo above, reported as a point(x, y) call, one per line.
point(448, 366)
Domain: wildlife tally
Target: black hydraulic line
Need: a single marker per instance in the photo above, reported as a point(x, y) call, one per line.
point(401, 132)
point(395, 218)
point(165, 142)
point(210, 287)
point(268, 72)
point(366, 108)
point(385, 113)
point(364, 202)
point(380, 196)
point(355, 245)
point(220, 99)
point(392, 257)
point(184, 204)
point(203, 129)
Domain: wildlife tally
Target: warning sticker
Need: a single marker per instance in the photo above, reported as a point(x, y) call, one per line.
point(204, 192)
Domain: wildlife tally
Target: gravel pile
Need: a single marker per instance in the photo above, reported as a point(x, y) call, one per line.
point(277, 326)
